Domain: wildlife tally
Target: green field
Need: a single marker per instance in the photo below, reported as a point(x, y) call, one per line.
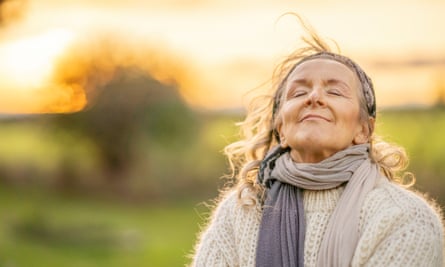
point(421, 132)
point(46, 227)
point(44, 230)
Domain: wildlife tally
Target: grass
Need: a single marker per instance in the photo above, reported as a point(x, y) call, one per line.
point(39, 229)
point(420, 132)
point(44, 230)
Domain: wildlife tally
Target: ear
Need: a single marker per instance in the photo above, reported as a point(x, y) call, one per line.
point(279, 126)
point(364, 133)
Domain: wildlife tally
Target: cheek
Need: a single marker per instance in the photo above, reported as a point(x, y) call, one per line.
point(289, 111)
point(351, 123)
point(288, 119)
point(286, 123)
point(350, 119)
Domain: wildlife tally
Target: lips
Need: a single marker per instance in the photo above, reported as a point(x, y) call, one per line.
point(313, 117)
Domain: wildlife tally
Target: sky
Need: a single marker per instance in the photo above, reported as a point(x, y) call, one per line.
point(54, 54)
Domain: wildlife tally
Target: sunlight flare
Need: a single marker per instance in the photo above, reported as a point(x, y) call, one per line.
point(28, 63)
point(214, 52)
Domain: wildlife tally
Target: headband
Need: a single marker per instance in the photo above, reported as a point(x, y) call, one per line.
point(365, 81)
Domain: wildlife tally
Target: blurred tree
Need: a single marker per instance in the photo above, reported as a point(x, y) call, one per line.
point(12, 10)
point(132, 106)
point(440, 94)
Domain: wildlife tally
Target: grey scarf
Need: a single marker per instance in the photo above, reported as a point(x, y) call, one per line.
point(282, 229)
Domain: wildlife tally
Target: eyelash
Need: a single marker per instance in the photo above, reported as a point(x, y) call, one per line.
point(299, 93)
point(334, 92)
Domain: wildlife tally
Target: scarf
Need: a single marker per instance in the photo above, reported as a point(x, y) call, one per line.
point(282, 228)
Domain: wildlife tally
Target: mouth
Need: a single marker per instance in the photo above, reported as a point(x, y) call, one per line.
point(313, 117)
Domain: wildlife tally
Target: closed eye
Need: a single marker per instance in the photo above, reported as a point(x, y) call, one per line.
point(335, 92)
point(299, 93)
point(299, 87)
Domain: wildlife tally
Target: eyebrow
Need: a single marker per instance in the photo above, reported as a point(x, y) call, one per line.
point(295, 83)
point(301, 82)
point(345, 88)
point(336, 81)
point(306, 82)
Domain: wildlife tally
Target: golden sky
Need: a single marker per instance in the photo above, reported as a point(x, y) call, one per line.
point(52, 52)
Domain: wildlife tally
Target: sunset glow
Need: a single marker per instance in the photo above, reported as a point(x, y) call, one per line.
point(28, 62)
point(215, 51)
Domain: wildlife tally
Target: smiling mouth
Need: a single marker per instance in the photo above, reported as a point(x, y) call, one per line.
point(314, 117)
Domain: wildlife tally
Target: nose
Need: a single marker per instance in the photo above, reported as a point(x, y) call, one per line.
point(315, 97)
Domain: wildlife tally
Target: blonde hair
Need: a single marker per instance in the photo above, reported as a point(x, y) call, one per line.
point(258, 135)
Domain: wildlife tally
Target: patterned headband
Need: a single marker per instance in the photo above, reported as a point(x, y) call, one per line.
point(367, 87)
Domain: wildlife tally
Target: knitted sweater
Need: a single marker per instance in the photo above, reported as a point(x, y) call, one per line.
point(397, 228)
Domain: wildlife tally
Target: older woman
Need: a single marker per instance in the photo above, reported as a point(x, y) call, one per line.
point(315, 186)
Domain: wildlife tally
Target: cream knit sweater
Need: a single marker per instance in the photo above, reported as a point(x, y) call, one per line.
point(398, 228)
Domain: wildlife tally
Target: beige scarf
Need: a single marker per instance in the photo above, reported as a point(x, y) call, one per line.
point(352, 166)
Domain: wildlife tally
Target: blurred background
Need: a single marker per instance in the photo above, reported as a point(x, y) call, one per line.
point(114, 114)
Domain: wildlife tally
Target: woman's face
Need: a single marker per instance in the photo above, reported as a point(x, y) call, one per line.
point(320, 111)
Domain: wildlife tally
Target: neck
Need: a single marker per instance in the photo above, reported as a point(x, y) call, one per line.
point(310, 156)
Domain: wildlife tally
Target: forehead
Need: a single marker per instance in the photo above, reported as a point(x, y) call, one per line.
point(325, 69)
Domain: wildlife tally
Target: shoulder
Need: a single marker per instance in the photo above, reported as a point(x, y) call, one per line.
point(237, 206)
point(393, 198)
point(229, 227)
point(398, 226)
point(394, 218)
point(393, 202)
point(232, 210)
point(226, 203)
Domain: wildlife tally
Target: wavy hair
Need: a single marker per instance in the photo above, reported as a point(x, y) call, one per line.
point(258, 134)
